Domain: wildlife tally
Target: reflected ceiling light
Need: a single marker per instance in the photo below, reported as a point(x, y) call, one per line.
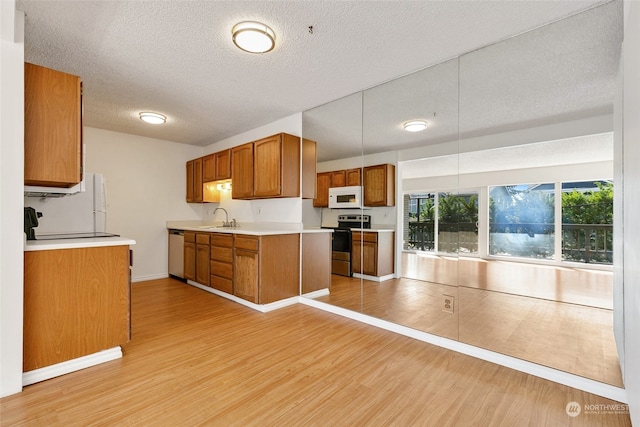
point(253, 37)
point(153, 118)
point(415, 125)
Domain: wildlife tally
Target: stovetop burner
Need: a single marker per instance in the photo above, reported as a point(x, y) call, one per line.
point(86, 235)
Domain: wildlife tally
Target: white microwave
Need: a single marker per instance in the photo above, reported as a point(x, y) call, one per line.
point(345, 197)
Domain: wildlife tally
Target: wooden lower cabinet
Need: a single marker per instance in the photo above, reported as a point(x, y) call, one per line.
point(76, 303)
point(202, 258)
point(372, 253)
point(189, 256)
point(222, 262)
point(266, 268)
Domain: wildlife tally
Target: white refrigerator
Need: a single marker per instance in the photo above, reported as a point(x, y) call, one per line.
point(84, 212)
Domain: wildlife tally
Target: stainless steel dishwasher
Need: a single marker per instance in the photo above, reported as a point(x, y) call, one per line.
point(176, 254)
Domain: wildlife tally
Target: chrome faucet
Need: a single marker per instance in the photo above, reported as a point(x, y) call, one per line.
point(226, 222)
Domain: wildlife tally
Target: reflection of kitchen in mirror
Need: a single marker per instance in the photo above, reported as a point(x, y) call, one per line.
point(536, 152)
point(502, 218)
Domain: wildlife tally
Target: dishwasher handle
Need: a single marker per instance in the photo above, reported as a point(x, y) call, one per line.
point(177, 232)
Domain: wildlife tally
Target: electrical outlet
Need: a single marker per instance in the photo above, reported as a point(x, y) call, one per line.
point(448, 302)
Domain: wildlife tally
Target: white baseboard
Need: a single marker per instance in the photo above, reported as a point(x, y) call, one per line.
point(560, 377)
point(48, 372)
point(149, 277)
point(316, 294)
point(264, 308)
point(373, 278)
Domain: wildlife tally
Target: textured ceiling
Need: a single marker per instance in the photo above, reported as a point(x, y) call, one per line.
point(177, 57)
point(563, 71)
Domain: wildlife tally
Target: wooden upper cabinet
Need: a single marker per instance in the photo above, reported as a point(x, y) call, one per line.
point(323, 182)
point(338, 178)
point(197, 180)
point(52, 127)
point(276, 166)
point(190, 181)
point(242, 171)
point(208, 168)
point(223, 165)
point(353, 177)
point(379, 185)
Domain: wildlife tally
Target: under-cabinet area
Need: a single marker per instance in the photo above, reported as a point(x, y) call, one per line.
point(257, 266)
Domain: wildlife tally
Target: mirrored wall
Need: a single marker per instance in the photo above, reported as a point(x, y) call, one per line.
point(502, 214)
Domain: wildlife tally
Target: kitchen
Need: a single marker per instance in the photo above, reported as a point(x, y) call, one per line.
point(125, 159)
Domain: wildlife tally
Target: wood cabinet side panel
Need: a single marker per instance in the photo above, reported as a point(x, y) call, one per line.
point(197, 180)
point(279, 267)
point(386, 258)
point(316, 261)
point(52, 127)
point(76, 302)
point(189, 181)
point(290, 165)
point(309, 162)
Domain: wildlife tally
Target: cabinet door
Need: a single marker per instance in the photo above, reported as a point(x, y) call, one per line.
point(197, 180)
point(52, 127)
point(242, 171)
point(356, 255)
point(323, 181)
point(190, 181)
point(338, 178)
point(370, 258)
point(353, 177)
point(267, 167)
point(202, 263)
point(223, 165)
point(379, 185)
point(208, 168)
point(245, 275)
point(189, 260)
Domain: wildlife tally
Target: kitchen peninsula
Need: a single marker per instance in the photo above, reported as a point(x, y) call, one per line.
point(76, 304)
point(257, 265)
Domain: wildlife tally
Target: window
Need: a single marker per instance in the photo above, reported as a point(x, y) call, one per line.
point(458, 223)
point(521, 220)
point(587, 222)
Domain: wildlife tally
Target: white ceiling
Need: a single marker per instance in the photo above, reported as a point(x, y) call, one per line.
point(177, 57)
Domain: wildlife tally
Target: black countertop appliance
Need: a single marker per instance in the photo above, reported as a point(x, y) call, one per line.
point(30, 221)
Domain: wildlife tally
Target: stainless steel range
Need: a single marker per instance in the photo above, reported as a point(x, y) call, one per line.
point(341, 242)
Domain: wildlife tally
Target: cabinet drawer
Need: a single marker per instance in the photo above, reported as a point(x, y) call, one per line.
point(202, 239)
point(189, 237)
point(222, 284)
point(246, 242)
point(222, 269)
point(224, 240)
point(365, 237)
point(221, 254)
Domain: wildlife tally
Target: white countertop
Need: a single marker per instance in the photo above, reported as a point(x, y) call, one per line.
point(94, 242)
point(254, 229)
point(374, 230)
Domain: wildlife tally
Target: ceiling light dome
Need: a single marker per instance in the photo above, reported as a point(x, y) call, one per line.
point(415, 125)
point(153, 118)
point(253, 37)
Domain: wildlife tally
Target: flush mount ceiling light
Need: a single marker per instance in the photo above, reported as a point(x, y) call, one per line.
point(415, 125)
point(153, 118)
point(253, 37)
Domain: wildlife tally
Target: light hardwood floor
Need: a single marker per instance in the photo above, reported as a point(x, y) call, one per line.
point(198, 359)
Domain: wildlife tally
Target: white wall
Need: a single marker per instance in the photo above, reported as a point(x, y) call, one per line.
point(146, 186)
point(631, 135)
point(11, 182)
point(273, 210)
